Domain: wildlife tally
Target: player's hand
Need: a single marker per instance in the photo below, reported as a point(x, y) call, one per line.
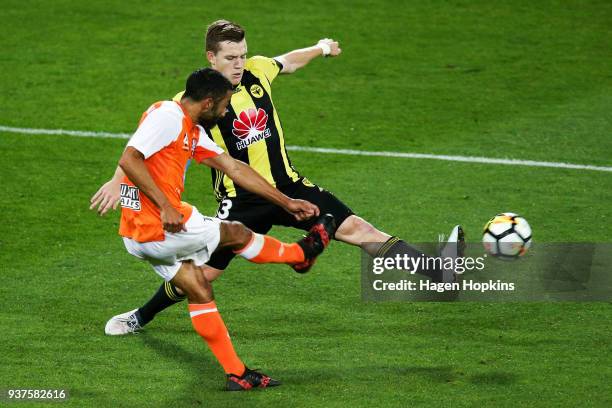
point(302, 210)
point(107, 197)
point(334, 47)
point(172, 220)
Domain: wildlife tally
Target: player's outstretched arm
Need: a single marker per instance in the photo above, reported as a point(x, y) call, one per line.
point(109, 194)
point(296, 59)
point(249, 179)
point(132, 163)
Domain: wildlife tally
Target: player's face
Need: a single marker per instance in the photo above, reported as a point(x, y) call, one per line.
point(229, 60)
point(211, 116)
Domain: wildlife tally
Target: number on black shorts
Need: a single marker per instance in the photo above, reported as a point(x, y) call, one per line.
point(224, 208)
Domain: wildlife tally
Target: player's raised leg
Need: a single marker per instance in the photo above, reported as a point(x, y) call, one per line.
point(259, 248)
point(357, 231)
point(353, 229)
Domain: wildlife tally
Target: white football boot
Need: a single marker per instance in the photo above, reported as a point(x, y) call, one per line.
point(454, 247)
point(124, 323)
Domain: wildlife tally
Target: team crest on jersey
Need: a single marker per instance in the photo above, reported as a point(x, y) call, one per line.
point(256, 91)
point(186, 146)
point(130, 197)
point(250, 127)
point(185, 142)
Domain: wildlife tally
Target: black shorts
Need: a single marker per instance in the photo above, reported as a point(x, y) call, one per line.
point(260, 215)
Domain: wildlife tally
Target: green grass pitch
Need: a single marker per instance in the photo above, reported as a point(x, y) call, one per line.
point(519, 79)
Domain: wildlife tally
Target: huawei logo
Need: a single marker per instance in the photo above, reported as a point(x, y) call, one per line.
point(250, 123)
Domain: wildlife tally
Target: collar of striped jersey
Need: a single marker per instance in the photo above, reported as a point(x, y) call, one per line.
point(189, 121)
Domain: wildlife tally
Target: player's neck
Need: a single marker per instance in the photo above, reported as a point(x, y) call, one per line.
point(191, 109)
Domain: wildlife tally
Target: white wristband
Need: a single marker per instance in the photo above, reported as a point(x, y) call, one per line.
point(325, 48)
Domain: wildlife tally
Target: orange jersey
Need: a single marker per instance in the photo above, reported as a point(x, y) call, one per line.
point(168, 139)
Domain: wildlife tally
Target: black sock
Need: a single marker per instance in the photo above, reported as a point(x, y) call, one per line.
point(165, 297)
point(395, 246)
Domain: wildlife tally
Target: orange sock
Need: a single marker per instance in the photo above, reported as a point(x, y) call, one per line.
point(265, 249)
point(208, 323)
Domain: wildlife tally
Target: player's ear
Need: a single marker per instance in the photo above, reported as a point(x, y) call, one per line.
point(207, 104)
point(210, 56)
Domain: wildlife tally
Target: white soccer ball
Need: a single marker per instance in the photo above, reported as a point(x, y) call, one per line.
point(507, 236)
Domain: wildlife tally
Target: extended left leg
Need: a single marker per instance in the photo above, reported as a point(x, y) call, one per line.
point(357, 231)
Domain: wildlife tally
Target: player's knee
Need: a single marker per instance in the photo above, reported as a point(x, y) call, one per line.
point(197, 288)
point(358, 229)
point(355, 225)
point(234, 234)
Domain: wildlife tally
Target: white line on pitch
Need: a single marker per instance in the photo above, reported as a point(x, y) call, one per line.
point(80, 133)
point(465, 159)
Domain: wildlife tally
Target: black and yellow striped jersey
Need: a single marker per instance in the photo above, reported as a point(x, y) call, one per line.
point(251, 130)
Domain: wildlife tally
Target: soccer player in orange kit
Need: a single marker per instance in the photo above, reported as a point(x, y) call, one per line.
point(174, 237)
